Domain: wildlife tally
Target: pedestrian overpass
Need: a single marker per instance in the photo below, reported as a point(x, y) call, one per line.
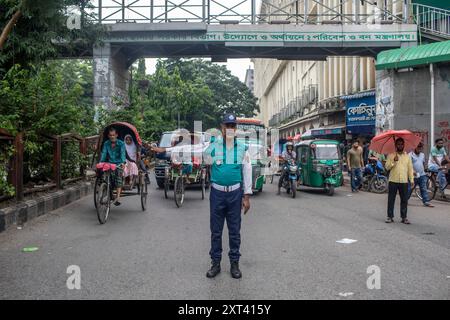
point(221, 30)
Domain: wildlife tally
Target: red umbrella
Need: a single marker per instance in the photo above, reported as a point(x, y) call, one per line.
point(384, 143)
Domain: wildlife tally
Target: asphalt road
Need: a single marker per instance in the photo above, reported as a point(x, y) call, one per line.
point(289, 250)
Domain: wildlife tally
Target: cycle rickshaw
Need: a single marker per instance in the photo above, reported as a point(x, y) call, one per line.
point(181, 173)
point(104, 188)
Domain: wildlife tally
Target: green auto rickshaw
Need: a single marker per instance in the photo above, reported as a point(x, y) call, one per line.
point(320, 164)
point(258, 155)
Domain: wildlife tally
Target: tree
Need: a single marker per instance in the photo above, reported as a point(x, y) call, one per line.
point(36, 30)
point(229, 94)
point(194, 90)
point(141, 70)
point(45, 100)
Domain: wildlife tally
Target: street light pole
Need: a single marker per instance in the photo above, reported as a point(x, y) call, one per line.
point(432, 104)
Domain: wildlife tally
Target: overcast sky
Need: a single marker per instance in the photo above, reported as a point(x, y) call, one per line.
point(238, 67)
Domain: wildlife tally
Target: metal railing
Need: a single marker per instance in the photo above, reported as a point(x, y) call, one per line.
point(16, 163)
point(432, 20)
point(244, 11)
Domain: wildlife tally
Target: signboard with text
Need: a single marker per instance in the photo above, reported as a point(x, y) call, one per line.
point(361, 115)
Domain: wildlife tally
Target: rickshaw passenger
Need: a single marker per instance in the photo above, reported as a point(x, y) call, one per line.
point(114, 152)
point(130, 169)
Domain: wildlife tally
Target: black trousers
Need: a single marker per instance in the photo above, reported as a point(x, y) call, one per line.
point(402, 189)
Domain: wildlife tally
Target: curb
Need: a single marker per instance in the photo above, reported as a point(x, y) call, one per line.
point(23, 212)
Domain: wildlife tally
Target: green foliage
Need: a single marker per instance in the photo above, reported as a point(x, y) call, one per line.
point(49, 99)
point(194, 90)
point(6, 152)
point(42, 22)
point(229, 94)
point(140, 74)
point(72, 160)
point(42, 100)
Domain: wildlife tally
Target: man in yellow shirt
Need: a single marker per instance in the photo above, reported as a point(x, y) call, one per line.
point(401, 174)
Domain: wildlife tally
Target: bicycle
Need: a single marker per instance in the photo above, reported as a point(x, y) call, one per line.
point(431, 185)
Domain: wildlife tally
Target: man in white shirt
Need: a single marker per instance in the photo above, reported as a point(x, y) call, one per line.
point(420, 177)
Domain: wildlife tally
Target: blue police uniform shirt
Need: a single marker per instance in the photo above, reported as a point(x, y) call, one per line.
point(226, 169)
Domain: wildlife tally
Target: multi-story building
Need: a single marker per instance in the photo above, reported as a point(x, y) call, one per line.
point(250, 79)
point(297, 96)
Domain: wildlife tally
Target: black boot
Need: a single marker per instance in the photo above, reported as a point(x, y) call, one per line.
point(215, 269)
point(235, 272)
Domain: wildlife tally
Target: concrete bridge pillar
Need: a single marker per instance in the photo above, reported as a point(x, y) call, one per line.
point(111, 77)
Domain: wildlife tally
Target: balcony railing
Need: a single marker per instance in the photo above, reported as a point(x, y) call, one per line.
point(295, 108)
point(432, 20)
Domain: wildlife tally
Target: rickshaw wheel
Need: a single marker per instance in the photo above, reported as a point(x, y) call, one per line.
point(166, 188)
point(203, 189)
point(178, 190)
point(203, 183)
point(96, 188)
point(104, 203)
point(143, 187)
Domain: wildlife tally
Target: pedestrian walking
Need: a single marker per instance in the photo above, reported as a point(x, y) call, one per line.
point(420, 176)
point(355, 163)
point(401, 174)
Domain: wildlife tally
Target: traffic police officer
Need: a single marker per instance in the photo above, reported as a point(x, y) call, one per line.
point(231, 187)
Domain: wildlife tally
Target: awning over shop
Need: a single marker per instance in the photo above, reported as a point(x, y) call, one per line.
point(327, 131)
point(414, 56)
point(322, 132)
point(370, 93)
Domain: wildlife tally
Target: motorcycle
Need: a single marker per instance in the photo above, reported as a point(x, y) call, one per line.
point(289, 177)
point(374, 178)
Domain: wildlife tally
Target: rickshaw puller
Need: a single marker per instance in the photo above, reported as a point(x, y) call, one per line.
point(114, 152)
